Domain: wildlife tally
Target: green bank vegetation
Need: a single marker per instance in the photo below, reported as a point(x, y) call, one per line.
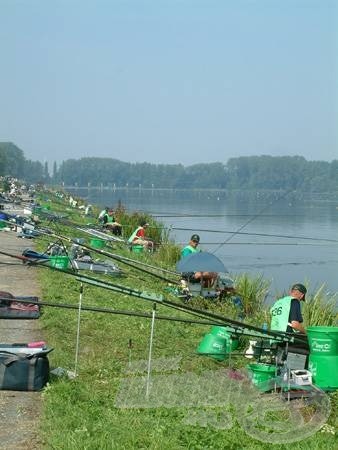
point(81, 413)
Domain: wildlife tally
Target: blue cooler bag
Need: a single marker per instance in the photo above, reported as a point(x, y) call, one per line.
point(23, 368)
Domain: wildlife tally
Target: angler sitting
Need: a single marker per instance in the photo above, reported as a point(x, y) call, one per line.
point(208, 278)
point(138, 237)
point(102, 214)
point(111, 224)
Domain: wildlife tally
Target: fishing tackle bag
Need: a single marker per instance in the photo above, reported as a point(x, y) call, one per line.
point(23, 368)
point(5, 298)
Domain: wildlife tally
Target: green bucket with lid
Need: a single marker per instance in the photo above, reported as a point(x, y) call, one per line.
point(323, 359)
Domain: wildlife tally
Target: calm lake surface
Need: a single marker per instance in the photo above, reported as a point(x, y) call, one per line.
point(216, 216)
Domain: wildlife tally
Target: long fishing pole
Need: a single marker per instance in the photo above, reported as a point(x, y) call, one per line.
point(253, 234)
point(48, 233)
point(238, 232)
point(112, 311)
point(247, 330)
point(307, 244)
point(116, 256)
point(128, 261)
point(236, 327)
point(252, 219)
point(178, 215)
point(98, 283)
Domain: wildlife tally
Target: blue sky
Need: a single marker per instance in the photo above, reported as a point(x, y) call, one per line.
point(169, 81)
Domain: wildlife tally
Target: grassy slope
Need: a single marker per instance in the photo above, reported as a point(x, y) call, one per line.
point(81, 413)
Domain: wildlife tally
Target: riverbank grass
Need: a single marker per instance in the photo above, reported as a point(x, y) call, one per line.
point(83, 413)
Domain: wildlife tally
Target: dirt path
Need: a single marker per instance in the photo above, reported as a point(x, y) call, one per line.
point(19, 411)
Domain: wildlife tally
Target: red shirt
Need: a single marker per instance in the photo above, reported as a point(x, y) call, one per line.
point(141, 233)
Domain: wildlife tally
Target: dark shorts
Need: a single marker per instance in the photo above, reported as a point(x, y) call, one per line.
point(190, 276)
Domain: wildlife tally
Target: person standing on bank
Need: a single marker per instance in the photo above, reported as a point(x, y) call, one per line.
point(286, 313)
point(195, 277)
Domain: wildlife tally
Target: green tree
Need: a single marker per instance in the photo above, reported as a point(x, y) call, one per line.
point(12, 160)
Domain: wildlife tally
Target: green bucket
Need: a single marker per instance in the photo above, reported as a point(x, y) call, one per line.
point(323, 359)
point(261, 374)
point(225, 334)
point(60, 262)
point(214, 346)
point(137, 248)
point(97, 243)
point(220, 331)
point(324, 371)
point(217, 344)
point(2, 224)
point(323, 340)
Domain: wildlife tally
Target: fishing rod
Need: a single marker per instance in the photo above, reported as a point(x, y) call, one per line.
point(92, 280)
point(101, 235)
point(128, 261)
point(109, 311)
point(235, 327)
point(168, 215)
point(119, 257)
point(70, 223)
point(238, 328)
point(98, 283)
point(253, 234)
point(308, 244)
point(109, 238)
point(253, 218)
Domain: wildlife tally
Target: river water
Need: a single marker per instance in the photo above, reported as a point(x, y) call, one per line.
point(300, 246)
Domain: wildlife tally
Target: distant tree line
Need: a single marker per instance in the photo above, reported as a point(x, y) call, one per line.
point(242, 173)
point(14, 163)
point(252, 172)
